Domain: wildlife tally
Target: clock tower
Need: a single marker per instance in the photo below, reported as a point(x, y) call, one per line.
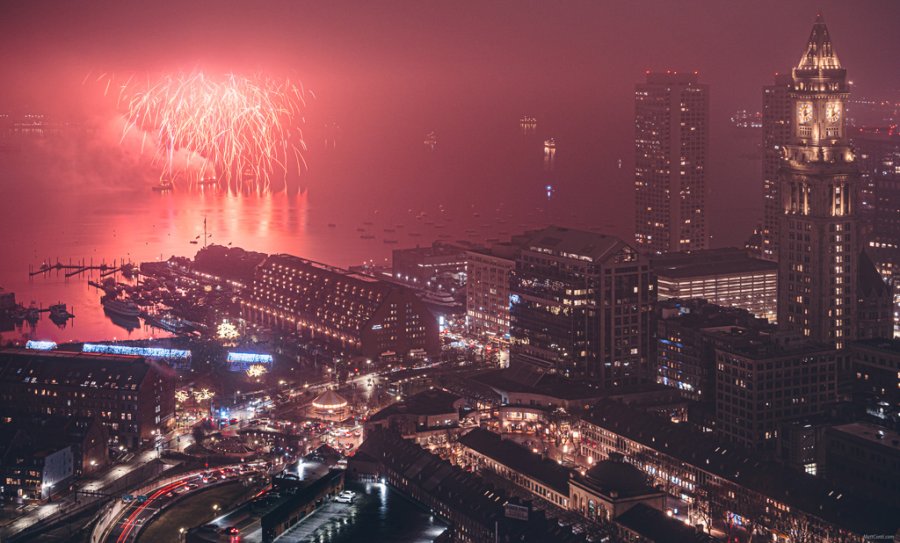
point(819, 234)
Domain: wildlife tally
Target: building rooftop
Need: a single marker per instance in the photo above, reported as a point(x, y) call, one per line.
point(807, 493)
point(576, 244)
point(547, 384)
point(655, 526)
point(462, 492)
point(888, 346)
point(297, 262)
point(872, 433)
point(819, 54)
point(727, 261)
point(72, 369)
point(518, 458)
point(615, 477)
point(435, 401)
point(329, 400)
point(294, 485)
point(870, 281)
point(698, 314)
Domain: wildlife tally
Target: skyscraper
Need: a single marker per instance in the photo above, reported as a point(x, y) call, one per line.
point(581, 305)
point(818, 238)
point(671, 143)
point(776, 134)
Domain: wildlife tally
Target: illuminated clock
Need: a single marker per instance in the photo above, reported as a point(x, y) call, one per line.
point(833, 112)
point(804, 112)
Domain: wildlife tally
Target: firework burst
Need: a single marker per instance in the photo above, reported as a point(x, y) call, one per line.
point(244, 132)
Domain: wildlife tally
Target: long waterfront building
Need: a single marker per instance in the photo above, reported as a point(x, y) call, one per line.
point(130, 397)
point(355, 313)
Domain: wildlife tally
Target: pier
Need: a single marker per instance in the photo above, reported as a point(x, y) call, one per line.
point(75, 268)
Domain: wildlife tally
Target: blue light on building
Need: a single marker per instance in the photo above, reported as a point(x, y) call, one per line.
point(242, 361)
point(177, 358)
point(38, 345)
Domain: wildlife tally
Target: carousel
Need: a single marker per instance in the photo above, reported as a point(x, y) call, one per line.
point(330, 406)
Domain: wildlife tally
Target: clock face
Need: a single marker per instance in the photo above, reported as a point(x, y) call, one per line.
point(833, 112)
point(804, 112)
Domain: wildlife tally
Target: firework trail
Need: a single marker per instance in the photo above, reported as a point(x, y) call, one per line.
point(245, 129)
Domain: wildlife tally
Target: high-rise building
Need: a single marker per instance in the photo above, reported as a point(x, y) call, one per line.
point(488, 274)
point(819, 230)
point(776, 130)
point(878, 152)
point(582, 305)
point(671, 143)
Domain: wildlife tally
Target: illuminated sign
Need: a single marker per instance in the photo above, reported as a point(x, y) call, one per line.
point(36, 345)
point(177, 358)
point(148, 352)
point(253, 358)
point(376, 327)
point(242, 361)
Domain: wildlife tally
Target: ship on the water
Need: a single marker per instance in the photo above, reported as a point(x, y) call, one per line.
point(168, 322)
point(122, 308)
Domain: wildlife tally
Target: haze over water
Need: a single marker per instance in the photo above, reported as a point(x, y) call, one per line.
point(484, 180)
point(383, 79)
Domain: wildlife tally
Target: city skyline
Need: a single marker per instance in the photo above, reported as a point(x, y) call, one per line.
point(459, 273)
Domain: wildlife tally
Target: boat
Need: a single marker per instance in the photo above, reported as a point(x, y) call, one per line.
point(194, 242)
point(431, 140)
point(360, 229)
point(163, 187)
point(367, 236)
point(122, 308)
point(391, 241)
point(59, 312)
point(389, 230)
point(128, 323)
point(167, 322)
point(332, 225)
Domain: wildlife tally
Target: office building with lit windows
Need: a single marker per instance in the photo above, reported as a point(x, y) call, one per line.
point(133, 400)
point(726, 277)
point(776, 132)
point(671, 144)
point(488, 275)
point(819, 231)
point(688, 334)
point(761, 384)
point(352, 312)
point(581, 305)
point(878, 153)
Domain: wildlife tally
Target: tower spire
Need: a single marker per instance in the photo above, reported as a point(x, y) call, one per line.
point(819, 53)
